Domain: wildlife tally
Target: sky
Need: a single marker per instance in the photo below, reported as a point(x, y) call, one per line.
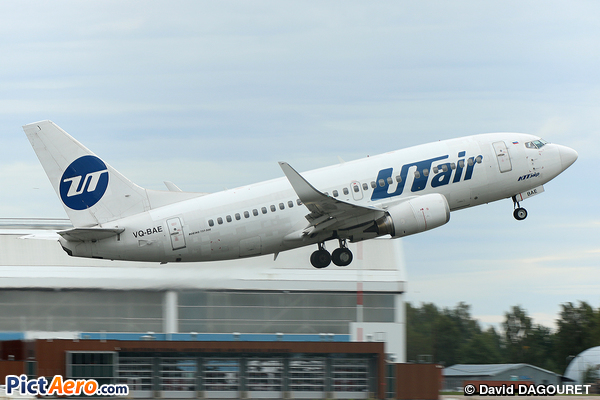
point(211, 95)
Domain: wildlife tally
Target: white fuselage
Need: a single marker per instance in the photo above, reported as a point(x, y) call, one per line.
point(261, 218)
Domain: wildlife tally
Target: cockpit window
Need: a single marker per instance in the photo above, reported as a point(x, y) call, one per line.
point(536, 144)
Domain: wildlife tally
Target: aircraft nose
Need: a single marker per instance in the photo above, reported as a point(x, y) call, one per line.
point(567, 156)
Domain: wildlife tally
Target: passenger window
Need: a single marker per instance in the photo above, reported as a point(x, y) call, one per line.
point(417, 174)
point(335, 193)
point(461, 163)
point(435, 170)
point(398, 178)
point(281, 206)
point(470, 162)
point(228, 218)
point(453, 166)
point(290, 204)
point(346, 191)
point(373, 184)
point(211, 222)
point(255, 212)
point(365, 186)
point(390, 180)
point(263, 210)
point(356, 188)
point(238, 216)
point(220, 221)
point(273, 208)
point(426, 172)
point(246, 214)
point(299, 202)
point(445, 167)
point(478, 159)
point(381, 183)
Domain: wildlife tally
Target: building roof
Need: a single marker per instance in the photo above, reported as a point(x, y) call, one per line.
point(473, 370)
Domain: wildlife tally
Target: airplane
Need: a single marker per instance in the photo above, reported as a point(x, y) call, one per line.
point(397, 194)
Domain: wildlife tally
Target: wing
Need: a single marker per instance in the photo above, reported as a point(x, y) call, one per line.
point(326, 212)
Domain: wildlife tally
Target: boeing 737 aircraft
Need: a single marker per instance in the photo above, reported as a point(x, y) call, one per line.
point(397, 194)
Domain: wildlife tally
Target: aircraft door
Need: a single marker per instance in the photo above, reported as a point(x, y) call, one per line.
point(502, 156)
point(176, 233)
point(356, 190)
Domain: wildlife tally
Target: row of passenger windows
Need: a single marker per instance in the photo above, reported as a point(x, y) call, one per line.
point(346, 191)
point(255, 212)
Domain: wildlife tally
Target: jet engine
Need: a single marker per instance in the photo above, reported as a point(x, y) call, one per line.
point(415, 215)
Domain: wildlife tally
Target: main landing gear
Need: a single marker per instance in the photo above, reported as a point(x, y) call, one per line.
point(519, 213)
point(341, 256)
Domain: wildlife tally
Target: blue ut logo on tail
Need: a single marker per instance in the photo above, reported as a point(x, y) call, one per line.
point(83, 183)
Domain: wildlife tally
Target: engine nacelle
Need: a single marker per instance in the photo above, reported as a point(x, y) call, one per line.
point(415, 215)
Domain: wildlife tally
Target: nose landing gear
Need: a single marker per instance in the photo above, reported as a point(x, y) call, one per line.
point(519, 213)
point(341, 256)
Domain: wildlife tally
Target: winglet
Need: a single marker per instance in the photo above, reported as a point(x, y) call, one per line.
point(172, 187)
point(305, 191)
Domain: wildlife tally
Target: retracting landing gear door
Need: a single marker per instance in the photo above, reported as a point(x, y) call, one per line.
point(502, 156)
point(176, 233)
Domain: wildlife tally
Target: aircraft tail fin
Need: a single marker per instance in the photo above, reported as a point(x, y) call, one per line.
point(91, 191)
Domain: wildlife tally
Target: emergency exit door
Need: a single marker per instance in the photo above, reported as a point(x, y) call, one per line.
point(176, 233)
point(357, 193)
point(502, 156)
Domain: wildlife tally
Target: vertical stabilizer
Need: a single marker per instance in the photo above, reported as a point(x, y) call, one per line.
point(91, 191)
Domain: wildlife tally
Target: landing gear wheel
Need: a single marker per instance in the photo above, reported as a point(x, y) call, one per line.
point(520, 214)
point(341, 257)
point(320, 259)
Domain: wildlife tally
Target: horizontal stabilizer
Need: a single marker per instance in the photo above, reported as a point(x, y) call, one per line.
point(89, 234)
point(42, 235)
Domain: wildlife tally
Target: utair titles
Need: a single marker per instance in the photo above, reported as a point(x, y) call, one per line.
point(444, 174)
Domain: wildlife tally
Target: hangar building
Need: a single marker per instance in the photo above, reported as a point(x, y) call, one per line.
point(455, 375)
point(585, 363)
point(49, 295)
